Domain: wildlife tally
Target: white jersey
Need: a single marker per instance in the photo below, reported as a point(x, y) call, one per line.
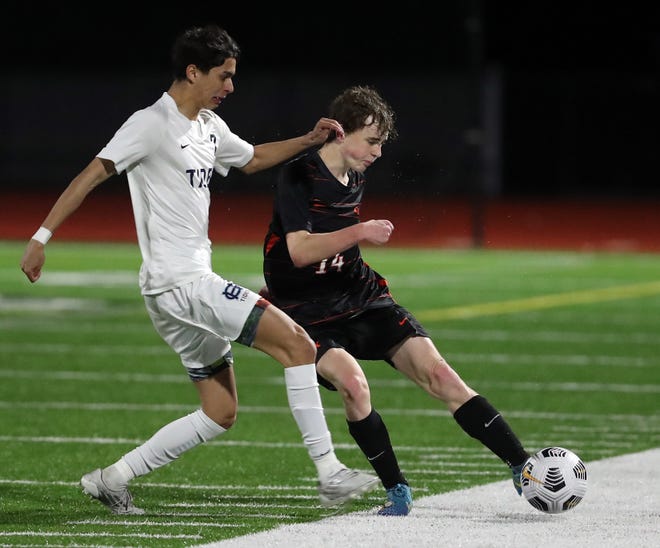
point(169, 161)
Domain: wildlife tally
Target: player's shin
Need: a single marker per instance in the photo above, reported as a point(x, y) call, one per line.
point(171, 441)
point(483, 422)
point(305, 402)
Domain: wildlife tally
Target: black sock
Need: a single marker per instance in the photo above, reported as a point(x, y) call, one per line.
point(372, 437)
point(484, 423)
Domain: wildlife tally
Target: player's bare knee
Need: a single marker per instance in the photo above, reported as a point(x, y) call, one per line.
point(443, 382)
point(223, 417)
point(436, 371)
point(227, 422)
point(297, 347)
point(356, 388)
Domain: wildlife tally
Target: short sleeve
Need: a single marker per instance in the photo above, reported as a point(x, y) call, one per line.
point(232, 151)
point(138, 137)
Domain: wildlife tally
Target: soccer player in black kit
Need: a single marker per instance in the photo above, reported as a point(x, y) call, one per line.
point(314, 271)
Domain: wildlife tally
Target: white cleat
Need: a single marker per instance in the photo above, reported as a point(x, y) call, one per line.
point(120, 501)
point(345, 485)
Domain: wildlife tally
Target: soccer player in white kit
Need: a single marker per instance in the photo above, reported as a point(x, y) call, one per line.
point(169, 152)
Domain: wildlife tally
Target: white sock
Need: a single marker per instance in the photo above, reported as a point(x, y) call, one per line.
point(327, 465)
point(302, 390)
point(118, 474)
point(163, 447)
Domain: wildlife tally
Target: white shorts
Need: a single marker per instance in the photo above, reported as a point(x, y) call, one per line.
point(201, 318)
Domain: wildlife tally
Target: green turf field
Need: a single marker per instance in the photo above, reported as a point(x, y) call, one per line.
point(565, 344)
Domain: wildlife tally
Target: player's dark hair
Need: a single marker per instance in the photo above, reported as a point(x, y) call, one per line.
point(206, 47)
point(353, 107)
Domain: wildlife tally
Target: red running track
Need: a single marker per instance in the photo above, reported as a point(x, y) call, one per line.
point(585, 225)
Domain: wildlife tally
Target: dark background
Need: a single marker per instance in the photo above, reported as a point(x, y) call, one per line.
point(492, 98)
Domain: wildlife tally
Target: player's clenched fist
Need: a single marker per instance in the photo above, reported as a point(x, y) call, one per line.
point(33, 260)
point(378, 231)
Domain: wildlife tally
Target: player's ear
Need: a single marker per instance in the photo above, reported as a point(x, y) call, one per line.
point(191, 73)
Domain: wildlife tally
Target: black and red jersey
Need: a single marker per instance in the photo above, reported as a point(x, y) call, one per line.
point(308, 197)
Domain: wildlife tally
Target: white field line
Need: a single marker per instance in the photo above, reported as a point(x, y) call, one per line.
point(638, 336)
point(570, 298)
point(40, 534)
point(494, 358)
point(572, 387)
point(430, 454)
point(272, 489)
point(284, 410)
point(62, 325)
point(93, 349)
point(579, 337)
point(187, 523)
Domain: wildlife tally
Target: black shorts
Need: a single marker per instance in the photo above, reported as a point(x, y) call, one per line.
point(369, 336)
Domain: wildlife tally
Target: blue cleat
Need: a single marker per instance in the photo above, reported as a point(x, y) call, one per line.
point(399, 501)
point(516, 471)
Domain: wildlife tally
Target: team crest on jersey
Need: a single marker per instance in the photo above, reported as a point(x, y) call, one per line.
point(233, 292)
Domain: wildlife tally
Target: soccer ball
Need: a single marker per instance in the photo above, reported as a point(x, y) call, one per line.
point(554, 480)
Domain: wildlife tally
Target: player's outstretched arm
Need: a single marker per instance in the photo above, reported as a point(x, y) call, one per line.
point(267, 155)
point(93, 175)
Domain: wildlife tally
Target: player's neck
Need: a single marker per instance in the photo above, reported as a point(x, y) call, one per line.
point(184, 99)
point(333, 160)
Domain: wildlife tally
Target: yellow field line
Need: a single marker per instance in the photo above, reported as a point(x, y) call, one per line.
point(544, 301)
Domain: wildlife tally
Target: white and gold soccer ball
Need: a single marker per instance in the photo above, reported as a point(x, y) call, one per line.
point(554, 480)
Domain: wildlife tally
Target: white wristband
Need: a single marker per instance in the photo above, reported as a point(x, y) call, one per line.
point(42, 235)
